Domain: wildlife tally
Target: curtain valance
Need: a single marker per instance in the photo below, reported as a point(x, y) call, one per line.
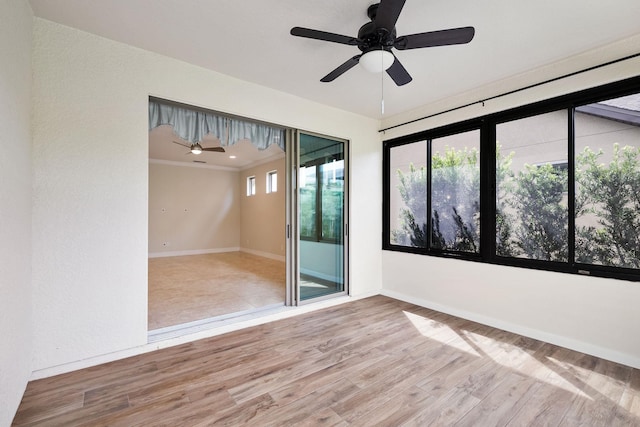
point(193, 125)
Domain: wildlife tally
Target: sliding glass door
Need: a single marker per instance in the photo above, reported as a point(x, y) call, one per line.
point(320, 193)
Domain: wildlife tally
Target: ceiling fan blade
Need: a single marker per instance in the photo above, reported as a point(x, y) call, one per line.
point(323, 35)
point(215, 149)
point(435, 38)
point(179, 143)
point(346, 66)
point(398, 73)
point(388, 13)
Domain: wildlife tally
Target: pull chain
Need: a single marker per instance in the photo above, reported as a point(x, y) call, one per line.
point(382, 84)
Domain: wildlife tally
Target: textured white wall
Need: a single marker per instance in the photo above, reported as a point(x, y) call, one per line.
point(91, 182)
point(15, 204)
point(596, 316)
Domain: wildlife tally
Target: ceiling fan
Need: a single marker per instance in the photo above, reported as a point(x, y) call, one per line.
point(197, 148)
point(376, 39)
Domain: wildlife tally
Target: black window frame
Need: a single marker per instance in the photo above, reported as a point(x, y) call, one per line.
point(487, 126)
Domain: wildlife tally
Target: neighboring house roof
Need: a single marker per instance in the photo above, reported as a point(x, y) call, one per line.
point(630, 102)
point(625, 109)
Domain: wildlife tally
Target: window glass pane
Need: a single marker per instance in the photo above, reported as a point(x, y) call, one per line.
point(308, 190)
point(332, 174)
point(408, 195)
point(455, 192)
point(608, 182)
point(251, 186)
point(531, 187)
point(272, 182)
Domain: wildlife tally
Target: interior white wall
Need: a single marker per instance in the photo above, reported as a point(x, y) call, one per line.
point(192, 209)
point(593, 315)
point(262, 226)
point(91, 182)
point(322, 260)
point(16, 324)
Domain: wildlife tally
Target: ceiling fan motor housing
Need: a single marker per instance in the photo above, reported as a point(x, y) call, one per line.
point(370, 37)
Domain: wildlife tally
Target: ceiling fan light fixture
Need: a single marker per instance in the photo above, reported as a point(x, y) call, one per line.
point(377, 61)
point(196, 148)
point(377, 38)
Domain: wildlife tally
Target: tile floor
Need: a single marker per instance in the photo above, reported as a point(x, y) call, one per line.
point(189, 288)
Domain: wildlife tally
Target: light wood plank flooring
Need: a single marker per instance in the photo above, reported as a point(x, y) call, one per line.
point(188, 288)
point(376, 361)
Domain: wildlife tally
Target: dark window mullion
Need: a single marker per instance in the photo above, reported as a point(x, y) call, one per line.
point(571, 187)
point(318, 203)
point(488, 166)
point(386, 199)
point(428, 194)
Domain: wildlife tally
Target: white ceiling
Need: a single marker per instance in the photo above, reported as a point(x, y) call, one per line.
point(243, 154)
point(250, 40)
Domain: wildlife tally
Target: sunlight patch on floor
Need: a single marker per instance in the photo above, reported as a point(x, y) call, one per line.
point(520, 360)
point(314, 285)
point(440, 332)
point(502, 353)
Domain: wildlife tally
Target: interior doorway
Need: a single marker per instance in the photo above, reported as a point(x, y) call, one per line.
point(216, 219)
point(237, 226)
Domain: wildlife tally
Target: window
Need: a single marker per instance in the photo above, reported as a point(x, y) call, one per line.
point(455, 192)
point(251, 186)
point(272, 182)
point(408, 197)
point(332, 193)
point(308, 202)
point(552, 186)
point(322, 199)
point(435, 193)
point(532, 217)
point(607, 159)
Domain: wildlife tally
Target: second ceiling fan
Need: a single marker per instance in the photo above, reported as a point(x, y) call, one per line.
point(197, 148)
point(376, 39)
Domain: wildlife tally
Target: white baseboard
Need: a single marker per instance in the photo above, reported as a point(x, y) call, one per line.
point(559, 340)
point(192, 252)
point(319, 275)
point(217, 251)
point(264, 254)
